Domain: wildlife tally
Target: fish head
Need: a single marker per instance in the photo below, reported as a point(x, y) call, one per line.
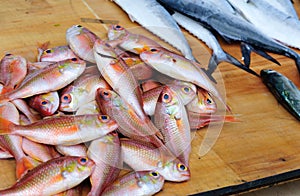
point(72, 66)
point(174, 170)
point(104, 121)
point(150, 181)
point(81, 40)
point(77, 167)
point(68, 102)
point(107, 99)
point(57, 54)
point(116, 32)
point(205, 101)
point(185, 90)
point(13, 69)
point(170, 102)
point(45, 104)
point(74, 31)
point(156, 56)
point(267, 74)
point(104, 54)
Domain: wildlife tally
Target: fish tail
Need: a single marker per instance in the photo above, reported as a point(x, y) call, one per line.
point(25, 164)
point(230, 59)
point(6, 126)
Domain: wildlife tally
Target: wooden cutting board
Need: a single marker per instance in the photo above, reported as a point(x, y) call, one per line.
point(261, 149)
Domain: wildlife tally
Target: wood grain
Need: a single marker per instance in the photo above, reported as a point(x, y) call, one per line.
point(267, 140)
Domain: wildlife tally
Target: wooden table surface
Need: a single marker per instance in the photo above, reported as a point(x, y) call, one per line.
point(265, 144)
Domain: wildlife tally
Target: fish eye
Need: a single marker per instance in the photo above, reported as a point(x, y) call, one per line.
point(44, 102)
point(118, 27)
point(48, 51)
point(154, 174)
point(104, 118)
point(208, 101)
point(78, 26)
point(153, 50)
point(114, 133)
point(106, 94)
point(73, 59)
point(166, 98)
point(186, 89)
point(181, 167)
point(66, 98)
point(83, 161)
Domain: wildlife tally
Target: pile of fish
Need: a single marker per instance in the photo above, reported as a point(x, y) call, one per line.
point(259, 25)
point(93, 107)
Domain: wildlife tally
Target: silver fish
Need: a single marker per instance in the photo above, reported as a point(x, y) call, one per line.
point(202, 33)
point(270, 21)
point(230, 27)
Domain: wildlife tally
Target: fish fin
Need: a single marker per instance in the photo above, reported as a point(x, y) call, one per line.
point(247, 49)
point(230, 59)
point(25, 164)
point(6, 126)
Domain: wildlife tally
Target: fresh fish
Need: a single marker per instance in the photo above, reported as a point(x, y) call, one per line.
point(13, 70)
point(64, 130)
point(171, 119)
point(202, 103)
point(178, 67)
point(81, 40)
point(82, 90)
point(136, 183)
point(52, 177)
point(51, 78)
point(284, 90)
point(152, 16)
point(46, 104)
point(129, 123)
point(79, 150)
point(106, 153)
point(202, 33)
point(186, 91)
point(56, 54)
point(142, 156)
point(38, 151)
point(13, 143)
point(230, 26)
point(89, 108)
point(135, 43)
point(269, 20)
point(118, 76)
